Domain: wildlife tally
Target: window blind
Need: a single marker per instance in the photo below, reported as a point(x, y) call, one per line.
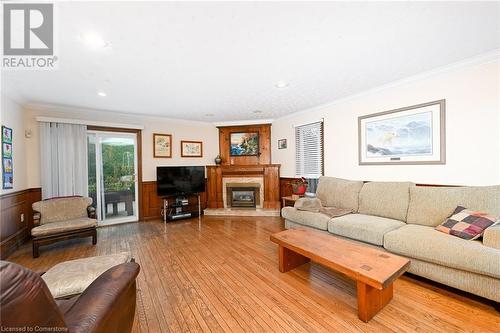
point(309, 150)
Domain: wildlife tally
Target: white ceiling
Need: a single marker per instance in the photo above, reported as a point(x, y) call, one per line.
point(186, 60)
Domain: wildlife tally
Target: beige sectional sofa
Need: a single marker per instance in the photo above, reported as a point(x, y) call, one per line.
point(400, 217)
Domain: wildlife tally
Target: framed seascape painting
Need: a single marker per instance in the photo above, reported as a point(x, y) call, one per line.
point(162, 145)
point(244, 144)
point(410, 135)
point(191, 148)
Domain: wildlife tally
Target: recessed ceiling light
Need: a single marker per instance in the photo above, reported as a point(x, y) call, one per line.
point(102, 93)
point(94, 40)
point(257, 111)
point(281, 84)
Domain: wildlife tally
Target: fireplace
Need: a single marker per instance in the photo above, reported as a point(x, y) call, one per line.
point(242, 195)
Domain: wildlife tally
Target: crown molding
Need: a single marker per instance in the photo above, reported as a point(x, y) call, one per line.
point(476, 60)
point(136, 117)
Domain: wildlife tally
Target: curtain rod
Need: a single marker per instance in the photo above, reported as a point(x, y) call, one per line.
point(87, 122)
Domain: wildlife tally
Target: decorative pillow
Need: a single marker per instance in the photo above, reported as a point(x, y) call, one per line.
point(72, 277)
point(467, 224)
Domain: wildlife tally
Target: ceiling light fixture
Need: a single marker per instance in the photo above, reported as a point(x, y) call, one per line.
point(209, 115)
point(94, 40)
point(281, 84)
point(102, 93)
point(257, 111)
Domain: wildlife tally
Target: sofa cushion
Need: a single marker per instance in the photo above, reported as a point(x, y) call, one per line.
point(385, 199)
point(427, 244)
point(315, 220)
point(467, 224)
point(57, 227)
point(61, 209)
point(73, 277)
point(341, 193)
point(430, 206)
point(365, 228)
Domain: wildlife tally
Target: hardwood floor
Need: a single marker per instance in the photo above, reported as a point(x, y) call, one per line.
point(224, 277)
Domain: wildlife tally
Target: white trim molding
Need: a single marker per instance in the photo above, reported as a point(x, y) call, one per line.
point(476, 60)
point(87, 122)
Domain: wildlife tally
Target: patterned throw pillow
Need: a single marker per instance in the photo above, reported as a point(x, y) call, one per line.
point(467, 224)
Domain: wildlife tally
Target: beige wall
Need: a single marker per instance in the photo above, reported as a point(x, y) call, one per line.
point(180, 130)
point(472, 94)
point(12, 116)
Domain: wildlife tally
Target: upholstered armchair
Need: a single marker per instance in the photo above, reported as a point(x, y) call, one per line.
point(62, 218)
point(107, 305)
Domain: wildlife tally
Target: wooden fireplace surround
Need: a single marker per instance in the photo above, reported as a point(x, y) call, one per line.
point(269, 172)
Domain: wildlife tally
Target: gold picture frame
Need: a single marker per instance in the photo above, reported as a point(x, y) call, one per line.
point(191, 148)
point(162, 145)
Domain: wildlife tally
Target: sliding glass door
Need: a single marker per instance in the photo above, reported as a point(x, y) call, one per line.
point(112, 162)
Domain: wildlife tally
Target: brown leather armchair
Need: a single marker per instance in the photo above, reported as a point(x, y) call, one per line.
point(107, 305)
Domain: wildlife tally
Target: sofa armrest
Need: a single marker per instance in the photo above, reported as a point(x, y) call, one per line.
point(91, 212)
point(491, 237)
point(36, 219)
point(108, 304)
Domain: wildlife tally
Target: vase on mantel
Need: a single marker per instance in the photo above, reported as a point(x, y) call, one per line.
point(218, 160)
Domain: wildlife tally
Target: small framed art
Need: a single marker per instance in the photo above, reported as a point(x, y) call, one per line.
point(282, 144)
point(162, 145)
point(191, 148)
point(7, 167)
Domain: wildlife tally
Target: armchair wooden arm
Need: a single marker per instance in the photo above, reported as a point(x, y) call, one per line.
point(36, 219)
point(91, 212)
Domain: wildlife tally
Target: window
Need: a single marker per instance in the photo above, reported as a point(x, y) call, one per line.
point(309, 150)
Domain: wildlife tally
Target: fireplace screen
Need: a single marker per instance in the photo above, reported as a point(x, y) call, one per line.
point(242, 197)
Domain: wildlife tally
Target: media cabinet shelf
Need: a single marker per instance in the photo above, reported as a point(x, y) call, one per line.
point(172, 210)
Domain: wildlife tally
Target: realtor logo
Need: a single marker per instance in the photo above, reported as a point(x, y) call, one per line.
point(28, 36)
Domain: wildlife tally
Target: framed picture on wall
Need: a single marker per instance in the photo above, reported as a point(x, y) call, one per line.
point(282, 144)
point(244, 144)
point(409, 135)
point(191, 148)
point(6, 134)
point(7, 167)
point(162, 145)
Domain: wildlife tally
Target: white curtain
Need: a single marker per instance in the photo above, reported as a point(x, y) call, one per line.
point(64, 168)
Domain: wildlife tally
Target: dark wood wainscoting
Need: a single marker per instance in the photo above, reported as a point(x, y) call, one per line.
point(285, 189)
point(152, 203)
point(14, 229)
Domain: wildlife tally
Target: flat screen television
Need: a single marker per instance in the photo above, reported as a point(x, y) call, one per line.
point(180, 180)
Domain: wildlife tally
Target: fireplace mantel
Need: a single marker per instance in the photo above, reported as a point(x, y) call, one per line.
point(269, 172)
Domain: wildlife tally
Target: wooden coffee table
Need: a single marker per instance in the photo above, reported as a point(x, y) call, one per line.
point(374, 270)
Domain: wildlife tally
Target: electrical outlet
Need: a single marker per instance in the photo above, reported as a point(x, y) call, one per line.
point(22, 217)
